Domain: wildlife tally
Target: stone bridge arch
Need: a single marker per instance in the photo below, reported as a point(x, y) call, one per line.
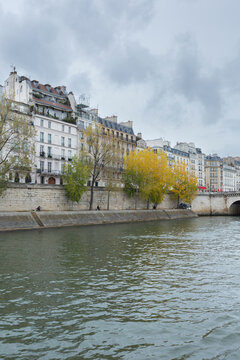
point(233, 203)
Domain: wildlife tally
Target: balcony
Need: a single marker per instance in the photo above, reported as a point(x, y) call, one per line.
point(48, 172)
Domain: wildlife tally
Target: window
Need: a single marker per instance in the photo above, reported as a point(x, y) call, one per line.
point(127, 137)
point(49, 165)
point(49, 138)
point(41, 136)
point(41, 150)
point(69, 142)
point(69, 130)
point(42, 165)
point(49, 151)
point(62, 127)
point(41, 122)
point(69, 155)
point(63, 141)
point(49, 124)
point(63, 154)
point(82, 146)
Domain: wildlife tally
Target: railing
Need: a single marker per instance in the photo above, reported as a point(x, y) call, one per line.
point(54, 156)
point(48, 172)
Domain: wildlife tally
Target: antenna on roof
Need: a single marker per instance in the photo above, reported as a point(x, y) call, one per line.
point(13, 67)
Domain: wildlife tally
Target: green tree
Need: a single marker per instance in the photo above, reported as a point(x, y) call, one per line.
point(17, 146)
point(75, 176)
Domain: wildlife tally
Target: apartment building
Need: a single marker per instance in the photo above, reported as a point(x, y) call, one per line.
point(234, 162)
point(54, 121)
point(196, 161)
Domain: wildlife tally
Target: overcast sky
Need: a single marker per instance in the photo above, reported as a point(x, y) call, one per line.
point(170, 66)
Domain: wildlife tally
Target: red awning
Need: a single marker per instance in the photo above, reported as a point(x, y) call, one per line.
point(202, 187)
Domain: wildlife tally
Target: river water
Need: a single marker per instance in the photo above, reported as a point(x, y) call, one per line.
point(159, 290)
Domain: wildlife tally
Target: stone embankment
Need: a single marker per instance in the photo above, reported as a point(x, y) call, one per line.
point(45, 219)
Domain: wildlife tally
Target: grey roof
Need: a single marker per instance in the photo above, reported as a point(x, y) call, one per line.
point(175, 151)
point(115, 126)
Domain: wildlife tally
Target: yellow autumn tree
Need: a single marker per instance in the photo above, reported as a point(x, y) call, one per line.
point(185, 183)
point(148, 174)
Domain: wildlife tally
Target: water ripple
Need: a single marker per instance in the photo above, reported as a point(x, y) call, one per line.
point(167, 290)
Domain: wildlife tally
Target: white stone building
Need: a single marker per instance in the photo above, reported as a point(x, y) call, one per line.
point(196, 161)
point(54, 121)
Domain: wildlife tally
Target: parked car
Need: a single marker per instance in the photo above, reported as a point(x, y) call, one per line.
point(184, 206)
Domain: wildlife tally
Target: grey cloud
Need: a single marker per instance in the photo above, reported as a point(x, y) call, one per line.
point(130, 62)
point(190, 80)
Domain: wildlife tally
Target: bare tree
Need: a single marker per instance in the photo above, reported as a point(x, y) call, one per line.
point(101, 149)
point(17, 146)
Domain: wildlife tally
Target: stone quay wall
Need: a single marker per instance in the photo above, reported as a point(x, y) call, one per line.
point(23, 197)
point(45, 219)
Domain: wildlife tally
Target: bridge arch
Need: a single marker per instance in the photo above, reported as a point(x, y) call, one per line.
point(234, 208)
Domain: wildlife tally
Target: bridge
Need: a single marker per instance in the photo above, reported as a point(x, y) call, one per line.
point(220, 203)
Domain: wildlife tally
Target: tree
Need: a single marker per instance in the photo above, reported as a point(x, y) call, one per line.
point(185, 184)
point(110, 184)
point(101, 149)
point(17, 147)
point(75, 176)
point(148, 174)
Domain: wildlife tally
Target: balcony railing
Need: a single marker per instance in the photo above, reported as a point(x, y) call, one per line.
point(54, 156)
point(49, 172)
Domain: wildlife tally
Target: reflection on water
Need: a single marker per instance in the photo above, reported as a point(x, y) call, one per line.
point(167, 290)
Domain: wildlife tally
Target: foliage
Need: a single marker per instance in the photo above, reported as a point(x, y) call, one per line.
point(101, 151)
point(17, 147)
point(75, 176)
point(147, 173)
point(185, 184)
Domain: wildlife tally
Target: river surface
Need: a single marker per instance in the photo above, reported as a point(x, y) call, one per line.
point(159, 290)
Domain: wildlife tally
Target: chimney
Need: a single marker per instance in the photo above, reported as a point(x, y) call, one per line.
point(139, 135)
point(112, 118)
point(127, 124)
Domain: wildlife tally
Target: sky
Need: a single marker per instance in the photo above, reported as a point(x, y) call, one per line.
point(170, 66)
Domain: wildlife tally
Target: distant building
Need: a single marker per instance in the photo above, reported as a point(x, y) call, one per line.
point(219, 175)
point(196, 161)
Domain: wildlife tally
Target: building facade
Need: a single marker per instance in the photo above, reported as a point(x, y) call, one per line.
point(54, 121)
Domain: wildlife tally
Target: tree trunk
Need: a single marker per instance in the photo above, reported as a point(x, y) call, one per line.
point(148, 202)
point(91, 196)
point(136, 199)
point(108, 199)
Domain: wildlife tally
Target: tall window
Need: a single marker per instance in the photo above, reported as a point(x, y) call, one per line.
point(63, 141)
point(49, 151)
point(41, 150)
point(41, 136)
point(41, 122)
point(62, 127)
point(69, 142)
point(69, 130)
point(63, 154)
point(69, 155)
point(42, 165)
point(49, 138)
point(49, 124)
point(49, 166)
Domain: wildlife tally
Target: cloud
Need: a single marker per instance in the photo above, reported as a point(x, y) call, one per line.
point(113, 50)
